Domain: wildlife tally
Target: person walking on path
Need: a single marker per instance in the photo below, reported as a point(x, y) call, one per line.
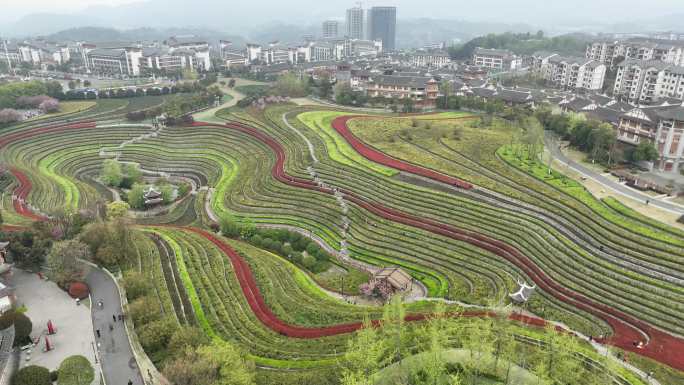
point(114, 317)
point(98, 333)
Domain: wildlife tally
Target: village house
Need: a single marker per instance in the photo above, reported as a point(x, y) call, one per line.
point(663, 126)
point(423, 90)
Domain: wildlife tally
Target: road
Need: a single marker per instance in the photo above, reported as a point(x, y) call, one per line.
point(117, 360)
point(609, 183)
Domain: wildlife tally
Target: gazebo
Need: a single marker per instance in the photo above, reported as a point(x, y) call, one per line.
point(523, 294)
point(393, 277)
point(152, 197)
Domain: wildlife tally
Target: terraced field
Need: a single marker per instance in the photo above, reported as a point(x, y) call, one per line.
point(466, 225)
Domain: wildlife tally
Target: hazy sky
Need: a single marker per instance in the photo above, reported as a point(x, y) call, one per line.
point(611, 11)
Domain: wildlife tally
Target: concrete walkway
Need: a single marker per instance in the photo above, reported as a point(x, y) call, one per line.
point(608, 183)
point(45, 302)
point(117, 360)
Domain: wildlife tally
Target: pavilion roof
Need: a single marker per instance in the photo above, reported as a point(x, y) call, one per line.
point(398, 278)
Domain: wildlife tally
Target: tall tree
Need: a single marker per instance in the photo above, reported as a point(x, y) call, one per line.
point(394, 329)
point(365, 354)
point(63, 261)
point(112, 174)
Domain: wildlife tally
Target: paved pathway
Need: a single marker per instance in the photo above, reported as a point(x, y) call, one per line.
point(45, 301)
point(116, 355)
point(209, 115)
point(609, 183)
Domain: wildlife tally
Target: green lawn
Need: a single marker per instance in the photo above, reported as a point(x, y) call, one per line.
point(338, 148)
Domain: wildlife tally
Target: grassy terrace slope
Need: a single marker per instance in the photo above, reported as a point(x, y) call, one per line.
point(418, 149)
point(59, 156)
point(258, 166)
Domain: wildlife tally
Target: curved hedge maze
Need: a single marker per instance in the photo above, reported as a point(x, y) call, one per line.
point(466, 226)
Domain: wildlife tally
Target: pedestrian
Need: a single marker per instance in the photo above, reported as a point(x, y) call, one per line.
point(114, 317)
point(130, 382)
point(98, 333)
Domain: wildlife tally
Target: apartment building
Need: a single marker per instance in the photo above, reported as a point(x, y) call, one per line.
point(648, 81)
point(423, 90)
point(115, 61)
point(355, 23)
point(573, 73)
point(430, 58)
point(382, 25)
point(667, 51)
point(362, 48)
point(663, 126)
point(36, 52)
point(496, 59)
point(604, 51)
point(330, 29)
point(9, 53)
point(171, 61)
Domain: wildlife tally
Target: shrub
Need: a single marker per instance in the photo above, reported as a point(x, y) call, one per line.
point(135, 116)
point(117, 209)
point(144, 310)
point(49, 105)
point(75, 370)
point(9, 115)
point(136, 285)
point(22, 326)
point(78, 290)
point(33, 101)
point(155, 336)
point(32, 375)
point(183, 189)
point(230, 227)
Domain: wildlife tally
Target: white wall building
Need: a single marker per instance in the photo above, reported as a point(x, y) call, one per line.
point(608, 52)
point(355, 23)
point(663, 126)
point(496, 59)
point(115, 61)
point(432, 58)
point(330, 29)
point(646, 82)
point(573, 73)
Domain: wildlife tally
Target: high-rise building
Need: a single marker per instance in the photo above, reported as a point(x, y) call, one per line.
point(330, 28)
point(355, 23)
point(383, 26)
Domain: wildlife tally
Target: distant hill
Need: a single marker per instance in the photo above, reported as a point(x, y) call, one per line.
point(524, 43)
point(100, 34)
point(412, 33)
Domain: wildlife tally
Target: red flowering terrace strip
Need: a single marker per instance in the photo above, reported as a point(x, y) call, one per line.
point(627, 329)
point(340, 125)
point(265, 315)
point(20, 194)
point(25, 185)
